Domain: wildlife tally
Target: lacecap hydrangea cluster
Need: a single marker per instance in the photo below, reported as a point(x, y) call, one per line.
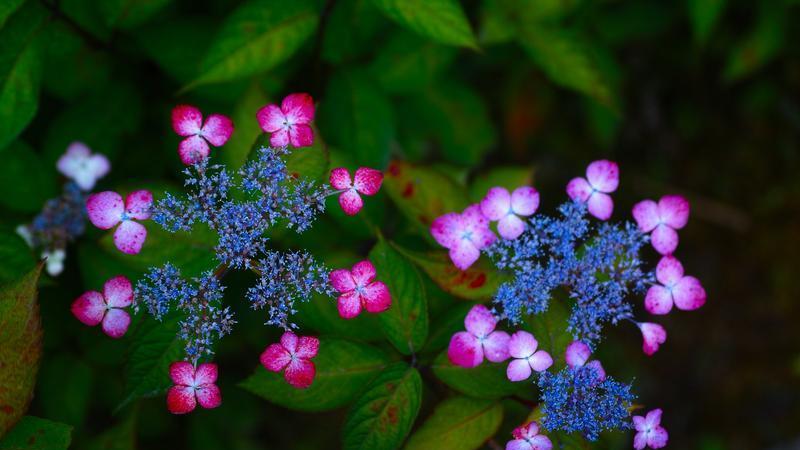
point(594, 266)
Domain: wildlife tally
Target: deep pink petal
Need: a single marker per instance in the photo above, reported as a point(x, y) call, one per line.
point(658, 437)
point(289, 341)
point(105, 209)
point(518, 444)
point(218, 129)
point(137, 204)
point(193, 149)
point(363, 272)
point(342, 280)
point(496, 204)
point(279, 138)
point(600, 205)
point(368, 181)
point(526, 431)
point(653, 335)
point(658, 300)
point(129, 237)
point(464, 350)
point(603, 175)
point(540, 361)
point(116, 322)
point(579, 189)
point(653, 418)
point(307, 347)
point(300, 373)
point(664, 239)
point(376, 297)
point(646, 215)
point(118, 292)
point(209, 396)
point(299, 108)
point(349, 305)
point(495, 346)
point(577, 354)
point(669, 270)
point(206, 374)
point(480, 321)
point(181, 399)
point(274, 358)
point(186, 120)
point(673, 210)
point(340, 178)
point(522, 344)
point(524, 201)
point(271, 119)
point(688, 294)
point(464, 254)
point(640, 440)
point(518, 370)
point(541, 442)
point(350, 202)
point(89, 308)
point(445, 229)
point(510, 227)
point(182, 372)
point(301, 135)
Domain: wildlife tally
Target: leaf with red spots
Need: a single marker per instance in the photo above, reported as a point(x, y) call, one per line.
point(382, 417)
point(33, 433)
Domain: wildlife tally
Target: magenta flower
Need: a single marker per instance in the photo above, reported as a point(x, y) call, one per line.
point(81, 166)
point(289, 123)
point(602, 178)
point(187, 121)
point(685, 292)
point(93, 308)
point(463, 234)
point(106, 210)
point(527, 437)
point(192, 387)
point(663, 219)
point(359, 291)
point(653, 335)
point(293, 356)
point(522, 347)
point(467, 348)
point(367, 181)
point(506, 209)
point(577, 355)
point(649, 432)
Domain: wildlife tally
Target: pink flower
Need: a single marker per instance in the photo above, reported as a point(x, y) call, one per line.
point(367, 181)
point(467, 348)
point(289, 122)
point(664, 219)
point(649, 432)
point(106, 210)
point(463, 234)
point(359, 291)
point(188, 121)
point(294, 355)
point(527, 437)
point(92, 307)
point(192, 387)
point(506, 208)
point(685, 292)
point(578, 354)
point(522, 347)
point(653, 335)
point(602, 178)
point(81, 166)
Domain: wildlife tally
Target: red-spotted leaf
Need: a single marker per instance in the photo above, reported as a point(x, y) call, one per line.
point(33, 433)
point(458, 423)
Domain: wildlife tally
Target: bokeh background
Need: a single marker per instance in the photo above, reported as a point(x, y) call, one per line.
point(696, 97)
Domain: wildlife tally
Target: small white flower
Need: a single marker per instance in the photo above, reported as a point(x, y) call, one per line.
point(79, 164)
point(54, 261)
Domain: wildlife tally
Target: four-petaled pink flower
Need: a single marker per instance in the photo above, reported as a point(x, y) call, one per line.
point(293, 354)
point(192, 387)
point(188, 121)
point(463, 234)
point(664, 219)
point(81, 166)
point(527, 437)
point(106, 210)
point(92, 307)
point(578, 354)
point(653, 335)
point(359, 291)
point(649, 432)
point(522, 347)
point(507, 208)
point(467, 348)
point(367, 181)
point(684, 291)
point(602, 178)
point(289, 123)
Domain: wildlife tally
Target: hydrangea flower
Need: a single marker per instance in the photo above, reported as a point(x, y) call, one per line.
point(54, 260)
point(464, 235)
point(293, 356)
point(527, 437)
point(192, 386)
point(106, 210)
point(93, 308)
point(577, 356)
point(468, 348)
point(289, 123)
point(359, 291)
point(506, 209)
point(663, 219)
point(81, 166)
point(602, 178)
point(367, 181)
point(684, 291)
point(187, 121)
point(649, 432)
point(522, 347)
point(653, 335)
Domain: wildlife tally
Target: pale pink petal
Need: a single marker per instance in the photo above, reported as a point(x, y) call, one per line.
point(349, 305)
point(600, 205)
point(653, 418)
point(342, 280)
point(129, 237)
point(669, 270)
point(464, 254)
point(340, 178)
point(482, 236)
point(524, 201)
point(307, 347)
point(673, 210)
point(445, 229)
point(209, 396)
point(496, 204)
point(300, 373)
point(186, 120)
point(105, 209)
point(526, 431)
point(182, 372)
point(598, 369)
point(289, 341)
point(363, 272)
point(271, 119)
point(658, 437)
point(640, 440)
point(118, 292)
point(688, 294)
point(299, 108)
point(522, 344)
point(193, 149)
point(350, 202)
point(577, 354)
point(658, 300)
point(518, 444)
point(137, 204)
point(218, 129)
point(279, 138)
point(579, 189)
point(646, 215)
point(116, 322)
point(473, 218)
point(274, 358)
point(510, 227)
point(97, 166)
point(495, 346)
point(541, 442)
point(206, 374)
point(639, 423)
point(368, 181)
point(540, 361)
point(603, 175)
point(464, 350)
point(181, 399)
point(653, 335)
point(664, 239)
point(301, 135)
point(89, 308)
point(376, 297)
point(480, 321)
point(70, 162)
point(518, 370)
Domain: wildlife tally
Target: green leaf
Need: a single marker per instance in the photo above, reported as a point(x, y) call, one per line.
point(33, 433)
point(321, 315)
point(760, 46)
point(382, 417)
point(343, 369)
point(21, 335)
point(121, 436)
point(127, 14)
point(7, 8)
point(445, 325)
point(61, 76)
point(550, 329)
point(177, 46)
point(15, 254)
point(311, 163)
point(256, 37)
point(488, 380)
point(240, 145)
point(64, 389)
point(704, 14)
point(509, 177)
point(441, 20)
point(409, 63)
point(501, 19)
point(351, 30)
point(25, 174)
point(458, 423)
point(405, 323)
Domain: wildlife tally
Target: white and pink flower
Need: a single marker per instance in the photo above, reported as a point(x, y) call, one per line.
point(649, 432)
point(468, 348)
point(507, 208)
point(93, 308)
point(81, 166)
point(527, 437)
point(653, 335)
point(684, 291)
point(359, 291)
point(289, 123)
point(662, 220)
point(192, 386)
point(577, 355)
point(464, 235)
point(367, 182)
point(187, 121)
point(522, 347)
point(107, 210)
point(292, 355)
point(602, 178)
